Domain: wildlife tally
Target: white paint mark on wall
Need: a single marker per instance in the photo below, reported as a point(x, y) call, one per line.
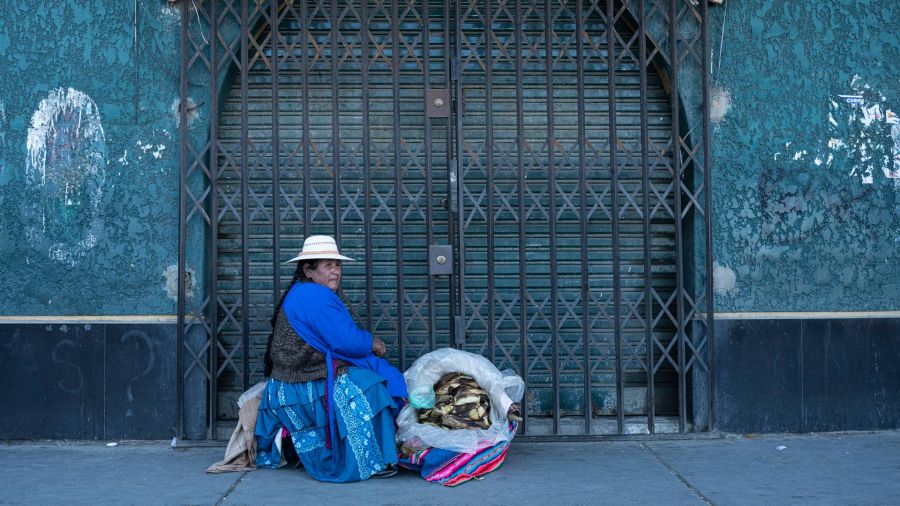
point(719, 104)
point(799, 154)
point(192, 111)
point(724, 279)
point(124, 158)
point(170, 12)
point(60, 106)
point(65, 175)
point(171, 282)
point(158, 153)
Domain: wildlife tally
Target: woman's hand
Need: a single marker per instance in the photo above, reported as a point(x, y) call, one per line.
point(378, 347)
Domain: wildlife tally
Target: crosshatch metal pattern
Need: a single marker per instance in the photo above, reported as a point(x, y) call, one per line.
point(567, 178)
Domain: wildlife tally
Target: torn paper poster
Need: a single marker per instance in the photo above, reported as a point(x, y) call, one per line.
point(852, 99)
point(891, 118)
point(893, 171)
point(870, 114)
point(857, 139)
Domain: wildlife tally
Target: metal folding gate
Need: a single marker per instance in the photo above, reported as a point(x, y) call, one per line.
point(521, 179)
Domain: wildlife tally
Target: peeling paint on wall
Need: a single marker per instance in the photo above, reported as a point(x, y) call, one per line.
point(171, 282)
point(863, 138)
point(65, 175)
point(893, 171)
point(2, 143)
point(719, 104)
point(724, 279)
point(96, 50)
point(170, 12)
point(192, 111)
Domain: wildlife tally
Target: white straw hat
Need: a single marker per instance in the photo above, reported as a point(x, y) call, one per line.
point(318, 247)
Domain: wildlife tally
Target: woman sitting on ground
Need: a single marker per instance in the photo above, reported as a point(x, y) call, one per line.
point(328, 385)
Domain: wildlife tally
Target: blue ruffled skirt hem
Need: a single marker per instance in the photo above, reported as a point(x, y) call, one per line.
point(365, 426)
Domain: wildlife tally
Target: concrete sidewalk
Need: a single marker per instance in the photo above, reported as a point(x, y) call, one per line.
point(856, 468)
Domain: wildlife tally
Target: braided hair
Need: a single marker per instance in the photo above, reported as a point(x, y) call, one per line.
point(299, 277)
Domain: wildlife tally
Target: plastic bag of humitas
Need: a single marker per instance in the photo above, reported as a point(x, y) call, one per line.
point(475, 394)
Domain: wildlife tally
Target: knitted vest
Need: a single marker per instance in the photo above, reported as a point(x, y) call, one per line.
point(295, 361)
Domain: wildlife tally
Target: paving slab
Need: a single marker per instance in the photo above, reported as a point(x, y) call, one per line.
point(855, 468)
point(859, 468)
point(96, 474)
point(533, 474)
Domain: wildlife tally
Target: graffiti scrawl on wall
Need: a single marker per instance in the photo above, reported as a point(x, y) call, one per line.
point(65, 175)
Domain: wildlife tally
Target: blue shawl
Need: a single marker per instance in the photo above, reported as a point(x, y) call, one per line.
point(321, 319)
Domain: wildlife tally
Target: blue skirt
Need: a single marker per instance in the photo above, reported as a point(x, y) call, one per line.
point(365, 426)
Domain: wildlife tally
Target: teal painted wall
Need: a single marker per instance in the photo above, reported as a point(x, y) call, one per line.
point(88, 157)
point(89, 221)
point(805, 217)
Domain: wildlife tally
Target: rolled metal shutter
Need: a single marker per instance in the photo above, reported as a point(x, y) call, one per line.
point(380, 120)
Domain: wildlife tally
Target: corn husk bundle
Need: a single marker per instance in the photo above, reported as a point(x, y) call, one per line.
point(460, 403)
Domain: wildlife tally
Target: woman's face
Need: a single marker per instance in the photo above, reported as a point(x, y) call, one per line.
point(327, 272)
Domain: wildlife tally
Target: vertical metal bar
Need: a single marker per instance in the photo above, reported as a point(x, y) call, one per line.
point(182, 225)
point(707, 201)
point(276, 162)
point(523, 261)
point(489, 168)
point(551, 183)
point(450, 69)
point(645, 203)
point(135, 56)
point(213, 261)
point(367, 176)
point(429, 167)
point(245, 205)
point(614, 185)
point(679, 238)
point(304, 78)
point(398, 180)
point(335, 122)
point(460, 175)
point(582, 222)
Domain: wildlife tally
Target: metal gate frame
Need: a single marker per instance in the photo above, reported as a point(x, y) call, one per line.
point(216, 41)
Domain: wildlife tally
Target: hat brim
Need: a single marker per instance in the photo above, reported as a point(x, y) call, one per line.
point(319, 256)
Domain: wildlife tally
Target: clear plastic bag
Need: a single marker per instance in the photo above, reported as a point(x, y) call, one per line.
point(254, 391)
point(504, 388)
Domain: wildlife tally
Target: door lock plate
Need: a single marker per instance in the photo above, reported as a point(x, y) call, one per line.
point(437, 103)
point(440, 259)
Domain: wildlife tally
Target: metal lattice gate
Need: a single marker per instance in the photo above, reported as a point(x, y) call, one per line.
point(543, 148)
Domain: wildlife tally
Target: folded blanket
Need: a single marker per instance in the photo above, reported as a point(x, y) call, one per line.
point(449, 468)
point(240, 455)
